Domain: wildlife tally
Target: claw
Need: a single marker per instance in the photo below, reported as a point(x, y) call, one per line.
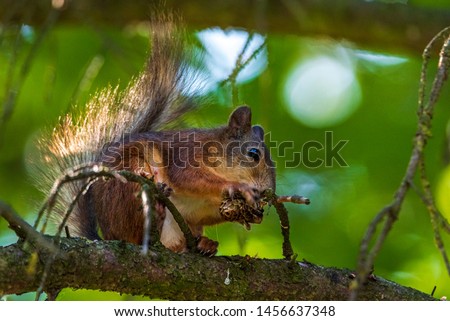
point(249, 193)
point(206, 247)
point(164, 188)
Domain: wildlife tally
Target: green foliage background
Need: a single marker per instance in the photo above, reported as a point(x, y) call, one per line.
point(343, 199)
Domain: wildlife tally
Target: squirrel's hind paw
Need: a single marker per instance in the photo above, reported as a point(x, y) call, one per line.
point(206, 246)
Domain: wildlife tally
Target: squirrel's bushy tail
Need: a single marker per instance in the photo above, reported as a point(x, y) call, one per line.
point(153, 100)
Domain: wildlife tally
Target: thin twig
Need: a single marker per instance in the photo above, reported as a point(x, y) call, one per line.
point(440, 219)
point(96, 171)
point(72, 205)
point(132, 177)
point(191, 242)
point(434, 214)
point(147, 206)
point(29, 234)
point(390, 213)
point(74, 174)
point(277, 202)
point(282, 212)
point(24, 230)
point(237, 69)
point(296, 199)
point(240, 65)
point(91, 173)
point(441, 76)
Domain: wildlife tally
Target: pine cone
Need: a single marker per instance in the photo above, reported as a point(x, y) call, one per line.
point(237, 209)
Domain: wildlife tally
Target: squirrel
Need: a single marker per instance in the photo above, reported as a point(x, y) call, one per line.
point(129, 130)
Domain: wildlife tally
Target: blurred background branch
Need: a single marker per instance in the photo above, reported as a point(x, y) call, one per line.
point(390, 213)
point(372, 24)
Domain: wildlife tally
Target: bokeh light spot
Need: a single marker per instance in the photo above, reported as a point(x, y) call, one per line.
point(223, 49)
point(322, 91)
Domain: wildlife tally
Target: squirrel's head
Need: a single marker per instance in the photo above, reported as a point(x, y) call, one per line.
point(247, 159)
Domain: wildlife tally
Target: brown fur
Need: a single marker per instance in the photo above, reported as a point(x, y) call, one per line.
point(177, 159)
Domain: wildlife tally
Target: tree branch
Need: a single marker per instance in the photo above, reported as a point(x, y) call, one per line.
point(80, 263)
point(416, 164)
point(24, 230)
point(119, 266)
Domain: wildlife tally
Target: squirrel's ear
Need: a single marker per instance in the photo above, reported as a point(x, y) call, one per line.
point(240, 122)
point(258, 131)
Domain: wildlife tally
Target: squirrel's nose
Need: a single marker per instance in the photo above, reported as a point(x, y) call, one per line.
point(257, 194)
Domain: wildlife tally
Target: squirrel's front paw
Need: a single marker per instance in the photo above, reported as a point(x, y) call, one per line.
point(250, 194)
point(207, 246)
point(164, 188)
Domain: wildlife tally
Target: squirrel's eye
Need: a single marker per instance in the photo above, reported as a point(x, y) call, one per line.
point(254, 153)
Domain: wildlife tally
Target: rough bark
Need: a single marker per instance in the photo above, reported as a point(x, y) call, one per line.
point(119, 266)
point(373, 24)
